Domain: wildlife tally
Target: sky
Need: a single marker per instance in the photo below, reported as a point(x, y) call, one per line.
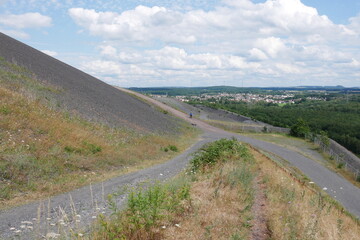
point(157, 43)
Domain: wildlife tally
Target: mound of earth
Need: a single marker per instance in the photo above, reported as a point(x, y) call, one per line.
point(86, 95)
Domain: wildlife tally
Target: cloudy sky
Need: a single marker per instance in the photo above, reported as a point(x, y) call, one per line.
point(195, 42)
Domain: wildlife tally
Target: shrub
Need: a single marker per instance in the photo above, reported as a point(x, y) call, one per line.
point(300, 129)
point(217, 151)
point(145, 210)
point(173, 148)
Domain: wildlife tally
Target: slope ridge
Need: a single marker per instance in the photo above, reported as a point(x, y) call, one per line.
point(84, 94)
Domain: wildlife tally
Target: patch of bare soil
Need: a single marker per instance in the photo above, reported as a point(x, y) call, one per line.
point(259, 229)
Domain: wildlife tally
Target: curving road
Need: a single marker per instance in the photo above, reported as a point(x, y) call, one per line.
point(78, 208)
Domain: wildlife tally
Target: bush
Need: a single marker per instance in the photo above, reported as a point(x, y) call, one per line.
point(300, 129)
point(173, 148)
point(145, 210)
point(218, 151)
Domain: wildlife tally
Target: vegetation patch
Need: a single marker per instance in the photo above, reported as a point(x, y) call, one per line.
point(299, 210)
point(213, 202)
point(44, 151)
point(214, 199)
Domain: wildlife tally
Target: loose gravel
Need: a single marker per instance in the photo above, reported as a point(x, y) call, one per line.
point(86, 95)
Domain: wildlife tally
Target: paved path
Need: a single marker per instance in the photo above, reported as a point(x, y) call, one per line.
point(78, 208)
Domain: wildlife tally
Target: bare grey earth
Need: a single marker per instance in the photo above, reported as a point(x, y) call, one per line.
point(85, 95)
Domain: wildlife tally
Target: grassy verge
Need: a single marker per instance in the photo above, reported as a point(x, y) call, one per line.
point(215, 199)
point(211, 201)
point(44, 151)
point(299, 210)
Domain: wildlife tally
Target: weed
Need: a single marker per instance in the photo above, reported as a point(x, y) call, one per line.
point(145, 210)
point(93, 148)
point(340, 165)
point(237, 236)
point(69, 149)
point(5, 192)
point(173, 148)
point(5, 110)
point(217, 151)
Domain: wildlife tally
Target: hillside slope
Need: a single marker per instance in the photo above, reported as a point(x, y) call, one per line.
point(84, 94)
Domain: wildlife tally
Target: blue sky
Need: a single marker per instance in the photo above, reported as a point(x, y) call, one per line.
point(195, 42)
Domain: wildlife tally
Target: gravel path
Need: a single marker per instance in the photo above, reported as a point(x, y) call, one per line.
point(78, 208)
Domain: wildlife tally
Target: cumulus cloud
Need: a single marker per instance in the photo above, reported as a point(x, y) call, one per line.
point(26, 20)
point(141, 24)
point(278, 38)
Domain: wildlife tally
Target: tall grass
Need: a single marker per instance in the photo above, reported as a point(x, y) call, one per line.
point(147, 210)
point(44, 151)
point(298, 210)
point(220, 193)
point(206, 204)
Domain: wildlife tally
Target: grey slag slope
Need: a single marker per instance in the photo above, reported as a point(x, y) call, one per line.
point(84, 94)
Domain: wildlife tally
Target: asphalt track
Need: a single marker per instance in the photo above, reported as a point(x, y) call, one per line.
point(60, 212)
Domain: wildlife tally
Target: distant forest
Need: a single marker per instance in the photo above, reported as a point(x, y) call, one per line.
point(338, 117)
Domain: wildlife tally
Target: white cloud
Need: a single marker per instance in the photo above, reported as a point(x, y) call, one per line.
point(278, 38)
point(288, 68)
point(257, 54)
point(272, 46)
point(26, 20)
point(141, 24)
point(50, 53)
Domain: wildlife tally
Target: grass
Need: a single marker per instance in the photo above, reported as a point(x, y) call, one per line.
point(217, 195)
point(237, 127)
point(298, 210)
point(45, 152)
point(208, 203)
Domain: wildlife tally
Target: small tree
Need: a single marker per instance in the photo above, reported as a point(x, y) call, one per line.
point(300, 128)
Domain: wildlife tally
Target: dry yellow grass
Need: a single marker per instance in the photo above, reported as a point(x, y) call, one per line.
point(222, 206)
point(44, 152)
point(298, 211)
point(220, 210)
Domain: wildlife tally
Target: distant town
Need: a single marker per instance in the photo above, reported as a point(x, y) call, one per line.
point(286, 98)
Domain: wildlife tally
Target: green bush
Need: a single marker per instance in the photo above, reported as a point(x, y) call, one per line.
point(173, 148)
point(300, 129)
point(146, 208)
point(218, 151)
